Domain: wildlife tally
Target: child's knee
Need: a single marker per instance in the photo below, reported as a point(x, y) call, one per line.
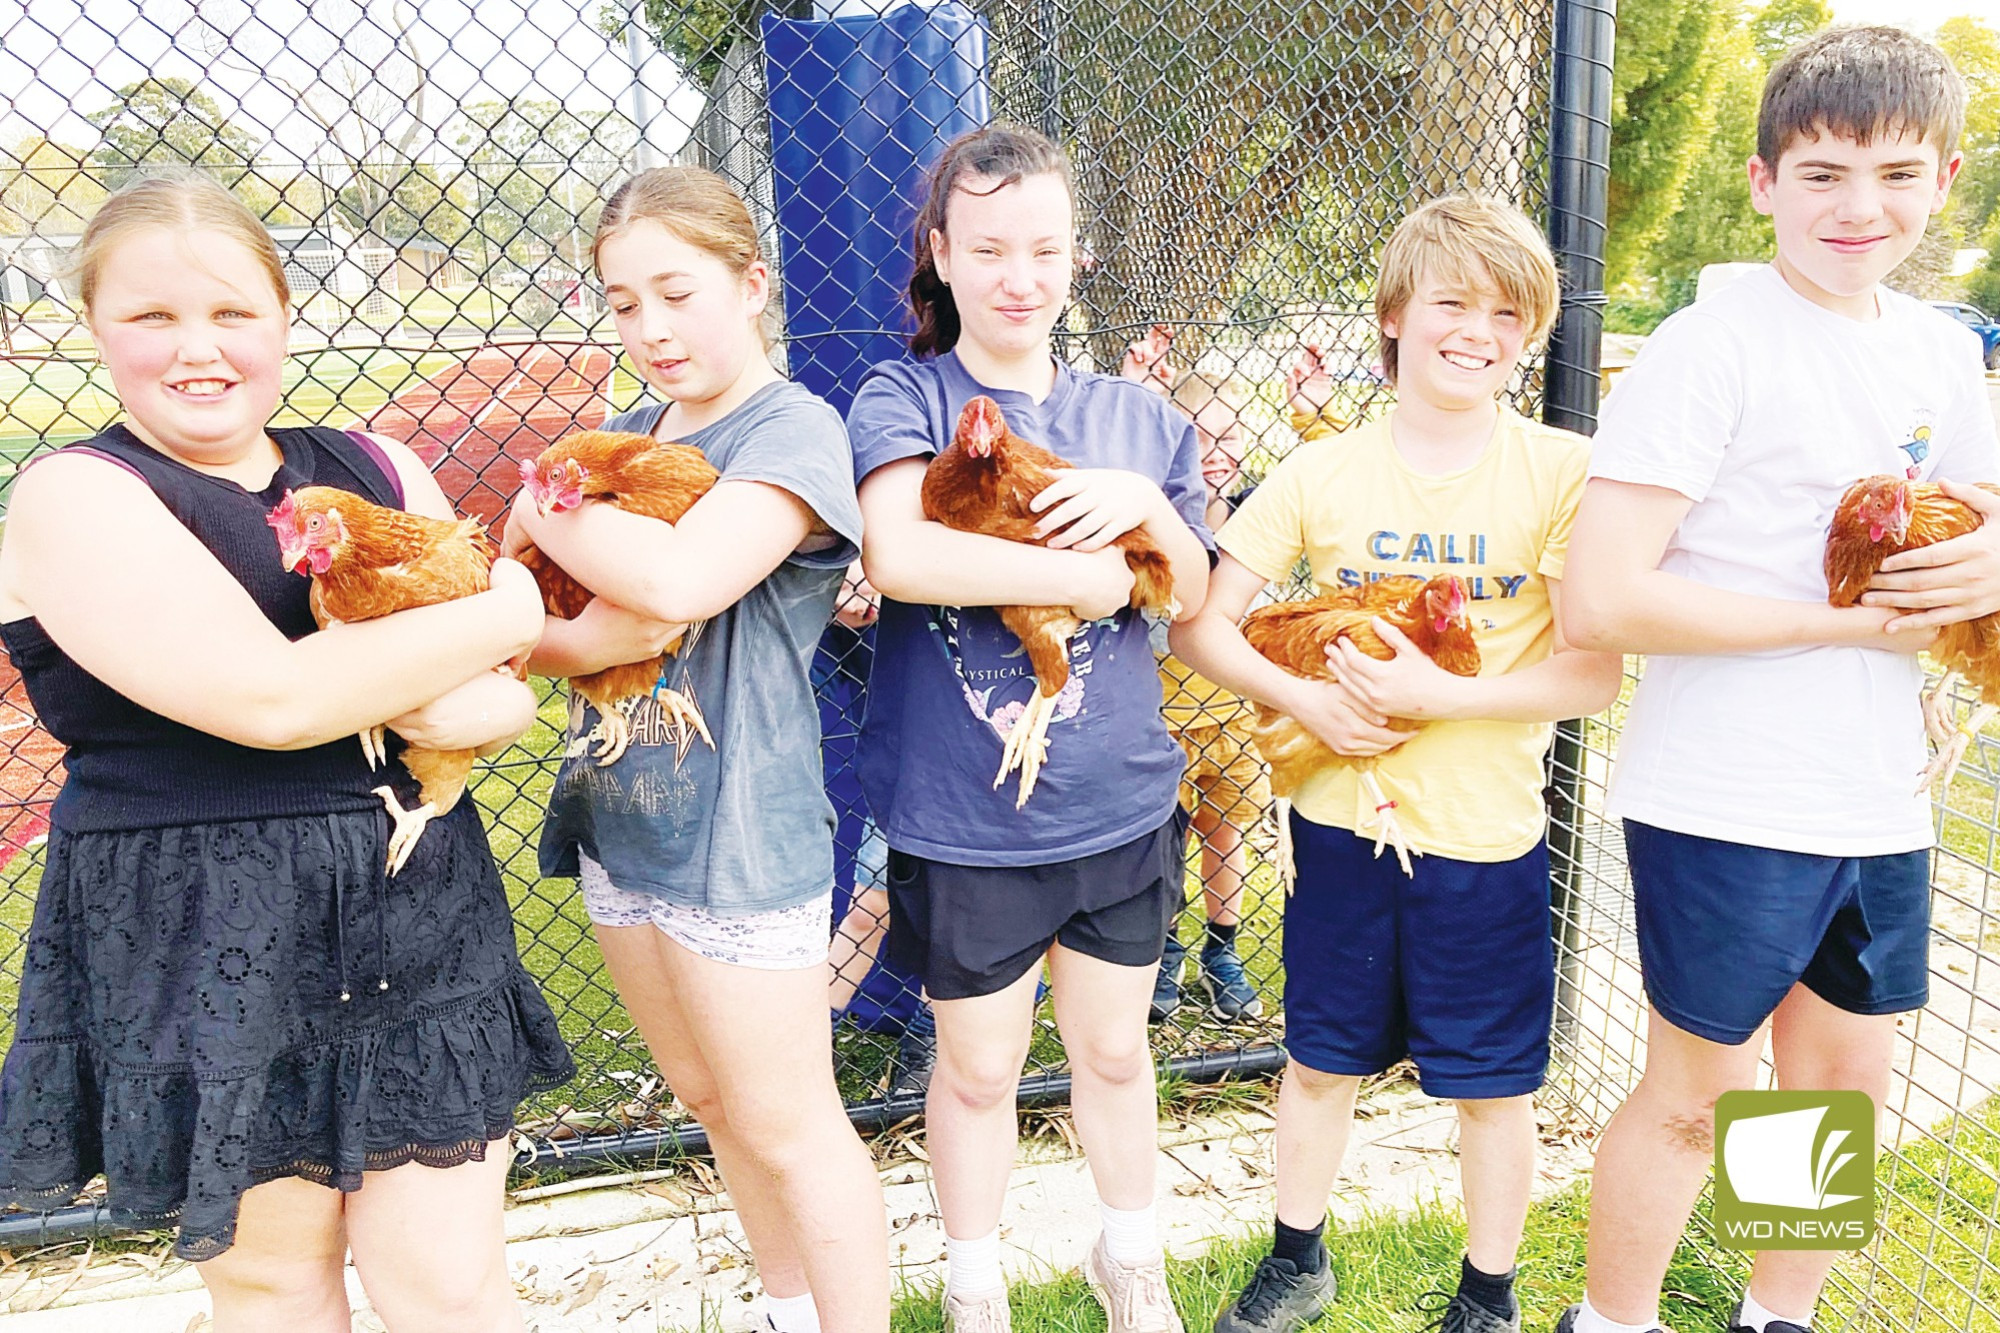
point(1496, 1110)
point(1320, 1085)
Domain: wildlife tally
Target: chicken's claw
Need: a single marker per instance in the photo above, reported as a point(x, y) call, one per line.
point(375, 746)
point(1288, 865)
point(613, 732)
point(1951, 749)
point(409, 826)
point(1387, 829)
point(685, 717)
point(1937, 710)
point(1027, 746)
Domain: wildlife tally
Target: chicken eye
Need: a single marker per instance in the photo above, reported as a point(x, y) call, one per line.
point(314, 523)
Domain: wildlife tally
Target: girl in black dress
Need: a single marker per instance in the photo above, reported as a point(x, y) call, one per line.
point(227, 1007)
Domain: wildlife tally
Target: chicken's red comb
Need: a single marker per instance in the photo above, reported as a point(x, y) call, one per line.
point(981, 424)
point(286, 512)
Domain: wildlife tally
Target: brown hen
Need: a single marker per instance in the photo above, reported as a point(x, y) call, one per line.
point(1885, 515)
point(982, 482)
point(1295, 635)
point(642, 476)
point(367, 561)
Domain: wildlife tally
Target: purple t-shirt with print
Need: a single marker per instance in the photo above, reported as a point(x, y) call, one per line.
point(949, 681)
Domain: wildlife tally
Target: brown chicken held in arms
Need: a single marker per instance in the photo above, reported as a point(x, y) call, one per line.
point(1295, 635)
point(982, 483)
point(367, 561)
point(642, 476)
point(1885, 515)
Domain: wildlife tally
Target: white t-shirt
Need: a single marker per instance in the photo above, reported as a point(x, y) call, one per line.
point(1762, 408)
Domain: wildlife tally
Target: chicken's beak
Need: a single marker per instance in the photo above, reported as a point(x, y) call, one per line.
point(292, 557)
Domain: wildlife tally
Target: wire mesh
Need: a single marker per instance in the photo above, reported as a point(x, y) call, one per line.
point(433, 172)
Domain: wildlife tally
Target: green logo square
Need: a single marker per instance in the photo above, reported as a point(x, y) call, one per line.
point(1794, 1170)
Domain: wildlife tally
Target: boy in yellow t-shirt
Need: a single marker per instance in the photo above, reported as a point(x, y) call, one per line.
point(1452, 966)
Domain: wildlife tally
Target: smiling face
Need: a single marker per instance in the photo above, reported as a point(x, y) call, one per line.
point(193, 335)
point(688, 321)
point(1008, 254)
point(1846, 214)
point(1219, 428)
point(1456, 342)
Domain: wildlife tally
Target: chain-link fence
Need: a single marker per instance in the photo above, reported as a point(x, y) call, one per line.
point(433, 171)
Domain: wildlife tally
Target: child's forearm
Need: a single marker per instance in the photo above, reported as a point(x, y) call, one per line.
point(1567, 684)
point(926, 563)
point(1658, 612)
point(1185, 554)
point(1214, 646)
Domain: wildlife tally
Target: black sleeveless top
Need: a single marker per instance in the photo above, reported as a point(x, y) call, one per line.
point(131, 768)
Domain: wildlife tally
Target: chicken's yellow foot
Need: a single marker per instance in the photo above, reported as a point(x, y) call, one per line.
point(1937, 710)
point(1027, 746)
point(409, 826)
point(1951, 751)
point(1287, 859)
point(1387, 828)
point(684, 718)
point(613, 731)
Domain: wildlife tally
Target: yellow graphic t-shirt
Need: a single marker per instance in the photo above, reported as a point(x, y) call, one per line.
point(1192, 699)
point(1471, 791)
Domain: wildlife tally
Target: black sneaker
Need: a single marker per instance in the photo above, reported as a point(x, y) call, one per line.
point(1230, 993)
point(1459, 1313)
point(1736, 1324)
point(1279, 1299)
point(916, 1057)
point(1167, 985)
point(1567, 1323)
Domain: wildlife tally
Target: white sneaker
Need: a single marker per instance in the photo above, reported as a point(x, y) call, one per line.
point(977, 1314)
point(1136, 1299)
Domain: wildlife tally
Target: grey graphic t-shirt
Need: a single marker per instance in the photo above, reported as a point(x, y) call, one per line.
point(746, 826)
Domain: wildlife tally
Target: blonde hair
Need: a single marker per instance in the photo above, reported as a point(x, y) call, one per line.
point(1474, 241)
point(172, 200)
point(1196, 389)
point(696, 206)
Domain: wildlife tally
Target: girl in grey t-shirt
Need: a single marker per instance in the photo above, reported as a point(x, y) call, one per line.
point(707, 870)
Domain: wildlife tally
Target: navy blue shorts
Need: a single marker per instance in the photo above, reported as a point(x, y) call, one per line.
point(1453, 968)
point(1726, 929)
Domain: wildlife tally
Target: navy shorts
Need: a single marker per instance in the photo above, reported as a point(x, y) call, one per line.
point(1453, 968)
point(1726, 929)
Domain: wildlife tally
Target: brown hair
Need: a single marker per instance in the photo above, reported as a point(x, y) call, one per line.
point(1468, 240)
point(1001, 152)
point(172, 200)
point(695, 205)
point(1858, 82)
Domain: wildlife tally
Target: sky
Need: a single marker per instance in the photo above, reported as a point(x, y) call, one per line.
point(69, 56)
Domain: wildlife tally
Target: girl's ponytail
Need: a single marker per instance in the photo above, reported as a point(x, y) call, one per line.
point(998, 153)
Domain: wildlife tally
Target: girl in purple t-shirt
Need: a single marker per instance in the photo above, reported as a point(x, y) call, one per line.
point(1088, 874)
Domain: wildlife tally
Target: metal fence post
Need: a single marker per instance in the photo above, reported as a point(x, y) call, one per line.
point(1579, 179)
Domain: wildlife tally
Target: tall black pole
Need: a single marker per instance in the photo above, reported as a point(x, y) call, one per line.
point(1579, 185)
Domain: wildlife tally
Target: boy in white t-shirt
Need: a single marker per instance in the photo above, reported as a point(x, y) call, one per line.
point(1766, 776)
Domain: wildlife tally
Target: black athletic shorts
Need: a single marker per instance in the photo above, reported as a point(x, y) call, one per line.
point(976, 930)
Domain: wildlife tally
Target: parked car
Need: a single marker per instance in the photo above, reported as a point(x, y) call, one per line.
point(1980, 323)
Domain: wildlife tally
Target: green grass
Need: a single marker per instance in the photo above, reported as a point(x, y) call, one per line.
point(1931, 1271)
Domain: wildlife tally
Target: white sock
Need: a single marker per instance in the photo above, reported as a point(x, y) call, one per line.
point(1755, 1316)
point(1131, 1236)
point(1589, 1321)
point(974, 1265)
point(792, 1314)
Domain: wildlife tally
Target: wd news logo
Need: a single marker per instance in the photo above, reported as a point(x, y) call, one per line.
point(1794, 1170)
